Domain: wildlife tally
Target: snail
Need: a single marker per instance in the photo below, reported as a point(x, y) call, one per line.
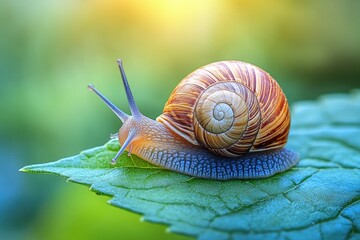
point(225, 120)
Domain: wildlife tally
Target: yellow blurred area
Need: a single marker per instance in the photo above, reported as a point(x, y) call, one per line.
point(51, 50)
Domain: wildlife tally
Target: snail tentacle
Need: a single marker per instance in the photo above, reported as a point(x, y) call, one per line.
point(135, 112)
point(130, 137)
point(118, 112)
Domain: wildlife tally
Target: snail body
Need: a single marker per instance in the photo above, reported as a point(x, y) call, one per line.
point(225, 120)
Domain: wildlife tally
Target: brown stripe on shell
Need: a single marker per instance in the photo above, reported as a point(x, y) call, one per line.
point(178, 112)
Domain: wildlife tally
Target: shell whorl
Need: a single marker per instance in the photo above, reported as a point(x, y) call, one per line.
point(227, 118)
point(229, 107)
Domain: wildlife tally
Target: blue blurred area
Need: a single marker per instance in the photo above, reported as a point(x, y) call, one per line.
point(51, 50)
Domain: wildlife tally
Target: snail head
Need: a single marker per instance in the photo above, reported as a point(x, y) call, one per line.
point(129, 121)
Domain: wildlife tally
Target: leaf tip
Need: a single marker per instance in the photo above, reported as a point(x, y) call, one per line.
point(26, 169)
point(30, 169)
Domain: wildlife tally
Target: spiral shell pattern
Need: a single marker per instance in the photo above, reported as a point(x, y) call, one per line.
point(227, 118)
point(229, 107)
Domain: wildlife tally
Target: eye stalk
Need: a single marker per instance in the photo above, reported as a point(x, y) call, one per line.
point(135, 113)
point(133, 108)
point(121, 115)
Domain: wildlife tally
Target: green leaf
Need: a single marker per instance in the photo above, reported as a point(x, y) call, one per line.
point(319, 198)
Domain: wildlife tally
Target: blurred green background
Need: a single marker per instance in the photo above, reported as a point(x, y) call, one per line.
point(50, 50)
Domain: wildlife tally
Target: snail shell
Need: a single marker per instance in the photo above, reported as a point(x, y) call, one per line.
point(230, 108)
